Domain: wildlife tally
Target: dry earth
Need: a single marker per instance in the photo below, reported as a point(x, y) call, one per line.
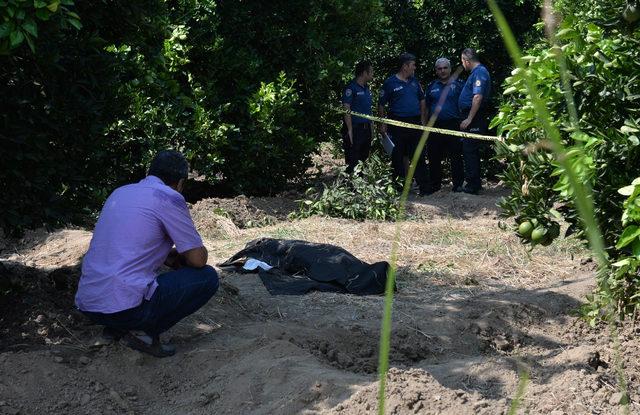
point(474, 309)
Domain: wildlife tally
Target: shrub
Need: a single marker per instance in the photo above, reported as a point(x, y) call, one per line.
point(369, 193)
point(272, 149)
point(603, 60)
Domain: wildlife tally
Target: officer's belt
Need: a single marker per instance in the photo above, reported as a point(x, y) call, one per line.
point(420, 127)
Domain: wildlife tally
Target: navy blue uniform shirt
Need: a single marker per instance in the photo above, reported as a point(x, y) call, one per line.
point(478, 83)
point(359, 99)
point(403, 97)
point(449, 109)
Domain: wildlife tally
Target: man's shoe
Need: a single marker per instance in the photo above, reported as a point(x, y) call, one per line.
point(457, 189)
point(149, 344)
point(470, 190)
point(111, 334)
point(428, 191)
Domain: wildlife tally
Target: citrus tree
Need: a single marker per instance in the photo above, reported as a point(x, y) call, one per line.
point(597, 108)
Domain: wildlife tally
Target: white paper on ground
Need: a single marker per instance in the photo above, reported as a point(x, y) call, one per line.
point(253, 263)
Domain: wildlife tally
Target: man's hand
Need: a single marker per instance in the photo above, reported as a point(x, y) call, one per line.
point(382, 128)
point(195, 258)
point(465, 123)
point(173, 259)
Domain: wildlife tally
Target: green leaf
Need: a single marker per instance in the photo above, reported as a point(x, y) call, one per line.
point(53, 6)
point(76, 23)
point(635, 248)
point(622, 263)
point(16, 38)
point(627, 190)
point(630, 234)
point(30, 43)
point(566, 33)
point(4, 30)
point(30, 27)
point(625, 129)
point(38, 4)
point(555, 213)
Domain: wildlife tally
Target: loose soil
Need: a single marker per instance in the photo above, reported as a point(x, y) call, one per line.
point(473, 311)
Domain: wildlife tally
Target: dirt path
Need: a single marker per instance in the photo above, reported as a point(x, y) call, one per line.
point(473, 306)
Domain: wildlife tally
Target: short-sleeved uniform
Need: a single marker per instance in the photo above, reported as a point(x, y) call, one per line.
point(478, 83)
point(404, 99)
point(440, 145)
point(358, 97)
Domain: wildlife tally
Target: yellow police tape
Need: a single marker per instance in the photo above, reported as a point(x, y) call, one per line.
point(420, 127)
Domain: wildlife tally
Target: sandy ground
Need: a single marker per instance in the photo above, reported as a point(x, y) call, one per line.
point(473, 310)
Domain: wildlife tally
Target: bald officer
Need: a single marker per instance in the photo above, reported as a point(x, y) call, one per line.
point(442, 100)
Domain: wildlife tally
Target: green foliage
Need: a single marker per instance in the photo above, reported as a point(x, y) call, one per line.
point(19, 20)
point(623, 279)
point(243, 88)
point(602, 60)
point(274, 148)
point(369, 193)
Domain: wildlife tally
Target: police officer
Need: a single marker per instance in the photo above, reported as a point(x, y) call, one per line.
point(356, 131)
point(473, 105)
point(442, 100)
point(404, 96)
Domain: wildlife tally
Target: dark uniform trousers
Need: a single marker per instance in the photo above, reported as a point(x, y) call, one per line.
point(361, 147)
point(440, 145)
point(471, 150)
point(405, 142)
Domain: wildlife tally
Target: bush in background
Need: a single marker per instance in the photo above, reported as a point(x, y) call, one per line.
point(369, 193)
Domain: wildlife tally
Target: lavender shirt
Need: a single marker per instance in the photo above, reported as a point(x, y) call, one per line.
point(137, 228)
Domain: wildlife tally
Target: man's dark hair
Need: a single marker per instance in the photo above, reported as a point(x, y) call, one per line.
point(471, 55)
point(404, 58)
point(169, 166)
point(362, 66)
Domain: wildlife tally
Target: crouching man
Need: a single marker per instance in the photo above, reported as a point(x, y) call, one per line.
point(138, 227)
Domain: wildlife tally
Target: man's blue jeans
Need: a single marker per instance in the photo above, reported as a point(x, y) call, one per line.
point(179, 294)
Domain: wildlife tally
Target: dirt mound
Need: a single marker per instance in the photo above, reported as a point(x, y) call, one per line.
point(445, 203)
point(356, 348)
point(38, 280)
point(415, 391)
point(36, 306)
point(242, 211)
point(211, 225)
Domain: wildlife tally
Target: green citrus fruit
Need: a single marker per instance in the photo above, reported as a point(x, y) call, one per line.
point(538, 233)
point(525, 229)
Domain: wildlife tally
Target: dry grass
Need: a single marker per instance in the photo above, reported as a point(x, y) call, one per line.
point(443, 249)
